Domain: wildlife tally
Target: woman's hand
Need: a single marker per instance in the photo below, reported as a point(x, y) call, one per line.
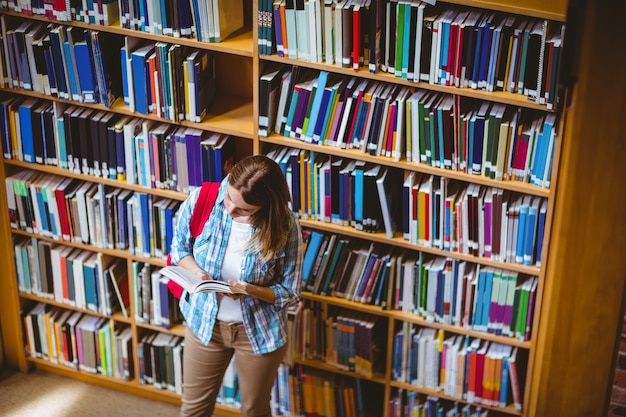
point(189, 263)
point(262, 293)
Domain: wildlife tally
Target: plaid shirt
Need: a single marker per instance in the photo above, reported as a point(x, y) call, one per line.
point(265, 323)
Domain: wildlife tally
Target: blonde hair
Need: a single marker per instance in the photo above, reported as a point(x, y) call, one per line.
point(261, 183)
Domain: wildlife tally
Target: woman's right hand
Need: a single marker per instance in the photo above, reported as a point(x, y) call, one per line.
point(189, 263)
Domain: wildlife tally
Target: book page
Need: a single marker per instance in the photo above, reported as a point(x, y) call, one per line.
point(194, 284)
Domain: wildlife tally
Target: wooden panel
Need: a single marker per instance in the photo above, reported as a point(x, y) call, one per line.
point(9, 302)
point(586, 269)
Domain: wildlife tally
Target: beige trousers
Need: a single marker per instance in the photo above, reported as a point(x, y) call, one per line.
point(204, 367)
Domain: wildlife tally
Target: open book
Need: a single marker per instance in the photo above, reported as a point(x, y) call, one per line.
point(194, 284)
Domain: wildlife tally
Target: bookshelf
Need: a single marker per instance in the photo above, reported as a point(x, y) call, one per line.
point(570, 324)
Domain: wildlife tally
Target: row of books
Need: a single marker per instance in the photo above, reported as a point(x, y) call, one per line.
point(67, 62)
point(206, 21)
point(106, 217)
point(439, 289)
point(405, 403)
point(468, 218)
point(79, 341)
point(167, 80)
point(94, 12)
point(160, 361)
point(490, 139)
point(473, 370)
point(72, 276)
point(346, 339)
point(98, 345)
point(107, 145)
point(313, 393)
point(426, 210)
point(152, 301)
point(94, 281)
point(437, 44)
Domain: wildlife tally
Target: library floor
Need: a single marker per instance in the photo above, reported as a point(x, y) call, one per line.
point(44, 394)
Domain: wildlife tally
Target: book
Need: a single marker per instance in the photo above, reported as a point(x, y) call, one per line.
point(194, 284)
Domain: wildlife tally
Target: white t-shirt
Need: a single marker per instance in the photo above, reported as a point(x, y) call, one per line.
point(229, 309)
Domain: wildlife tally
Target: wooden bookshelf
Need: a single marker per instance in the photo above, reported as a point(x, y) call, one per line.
point(583, 274)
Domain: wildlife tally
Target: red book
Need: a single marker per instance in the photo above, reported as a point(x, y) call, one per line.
point(62, 209)
point(356, 33)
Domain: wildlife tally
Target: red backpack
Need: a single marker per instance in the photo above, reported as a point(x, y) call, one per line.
point(201, 213)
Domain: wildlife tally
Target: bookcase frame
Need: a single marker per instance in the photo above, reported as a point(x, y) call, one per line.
point(583, 273)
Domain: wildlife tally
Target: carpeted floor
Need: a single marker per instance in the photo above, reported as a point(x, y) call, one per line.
point(42, 394)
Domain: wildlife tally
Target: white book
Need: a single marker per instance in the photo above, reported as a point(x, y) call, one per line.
point(195, 284)
point(329, 29)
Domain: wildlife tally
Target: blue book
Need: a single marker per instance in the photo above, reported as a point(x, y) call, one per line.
point(323, 114)
point(504, 383)
point(531, 232)
point(50, 69)
point(72, 75)
point(57, 37)
point(61, 143)
point(484, 53)
point(364, 278)
point(125, 81)
point(357, 219)
point(170, 212)
point(475, 70)
point(315, 109)
point(383, 283)
point(408, 42)
point(440, 77)
point(478, 138)
point(44, 213)
point(145, 203)
point(486, 299)
point(140, 78)
point(164, 303)
point(292, 110)
point(26, 130)
point(541, 223)
point(480, 292)
point(89, 277)
point(521, 230)
point(164, 23)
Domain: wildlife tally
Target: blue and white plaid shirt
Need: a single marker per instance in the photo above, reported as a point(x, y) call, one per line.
point(265, 323)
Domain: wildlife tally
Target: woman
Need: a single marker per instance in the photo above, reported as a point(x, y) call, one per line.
point(253, 241)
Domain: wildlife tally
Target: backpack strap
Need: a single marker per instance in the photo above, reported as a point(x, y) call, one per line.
point(201, 212)
point(203, 207)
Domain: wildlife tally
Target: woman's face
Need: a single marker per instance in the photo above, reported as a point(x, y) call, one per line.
point(237, 208)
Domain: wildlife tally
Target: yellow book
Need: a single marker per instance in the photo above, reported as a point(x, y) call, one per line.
point(331, 117)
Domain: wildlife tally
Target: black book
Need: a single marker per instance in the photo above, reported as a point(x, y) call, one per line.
point(106, 140)
point(70, 121)
point(87, 144)
point(374, 32)
point(38, 132)
point(506, 35)
point(534, 59)
point(427, 39)
point(372, 215)
point(469, 47)
point(48, 122)
point(96, 146)
point(411, 76)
